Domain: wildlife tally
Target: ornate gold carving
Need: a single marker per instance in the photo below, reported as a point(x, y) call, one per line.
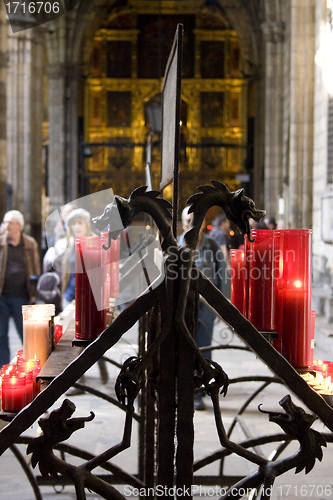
point(215, 35)
point(116, 35)
point(118, 162)
point(166, 6)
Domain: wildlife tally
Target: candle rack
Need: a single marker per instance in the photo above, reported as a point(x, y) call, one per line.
point(169, 337)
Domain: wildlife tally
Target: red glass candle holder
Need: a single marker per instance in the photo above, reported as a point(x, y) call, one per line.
point(13, 392)
point(19, 355)
point(263, 261)
point(90, 277)
point(33, 366)
point(329, 368)
point(296, 300)
point(58, 330)
point(239, 280)
point(323, 367)
point(6, 369)
point(29, 386)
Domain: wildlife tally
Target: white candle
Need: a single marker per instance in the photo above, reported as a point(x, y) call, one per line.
point(36, 340)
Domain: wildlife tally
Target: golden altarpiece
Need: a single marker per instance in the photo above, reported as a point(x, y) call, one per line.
point(128, 53)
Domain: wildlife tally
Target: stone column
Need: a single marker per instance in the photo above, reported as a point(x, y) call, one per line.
point(302, 54)
point(56, 180)
point(72, 146)
point(24, 122)
point(273, 36)
point(63, 134)
point(3, 97)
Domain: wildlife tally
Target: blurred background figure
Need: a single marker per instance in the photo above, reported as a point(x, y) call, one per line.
point(62, 255)
point(210, 260)
point(257, 225)
point(19, 260)
point(221, 234)
point(261, 225)
point(59, 230)
point(271, 223)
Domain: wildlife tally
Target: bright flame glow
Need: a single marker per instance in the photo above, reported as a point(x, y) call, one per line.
point(297, 284)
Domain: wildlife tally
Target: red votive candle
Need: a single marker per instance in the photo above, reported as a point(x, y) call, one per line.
point(6, 369)
point(263, 260)
point(90, 277)
point(19, 355)
point(319, 366)
point(29, 386)
point(57, 330)
point(238, 279)
point(296, 341)
point(329, 368)
point(13, 392)
point(324, 367)
point(33, 366)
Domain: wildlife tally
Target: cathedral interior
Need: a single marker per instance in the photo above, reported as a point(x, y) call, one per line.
point(77, 94)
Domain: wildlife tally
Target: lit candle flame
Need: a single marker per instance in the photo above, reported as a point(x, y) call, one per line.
point(328, 382)
point(297, 284)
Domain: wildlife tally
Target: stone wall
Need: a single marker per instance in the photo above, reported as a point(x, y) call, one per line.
point(322, 252)
point(3, 127)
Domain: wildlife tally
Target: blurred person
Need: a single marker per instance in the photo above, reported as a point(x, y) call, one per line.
point(19, 260)
point(221, 234)
point(257, 225)
point(271, 223)
point(261, 225)
point(59, 230)
point(63, 257)
point(210, 260)
point(63, 252)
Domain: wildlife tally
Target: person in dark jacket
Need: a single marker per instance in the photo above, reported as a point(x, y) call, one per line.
point(220, 234)
point(210, 260)
point(19, 259)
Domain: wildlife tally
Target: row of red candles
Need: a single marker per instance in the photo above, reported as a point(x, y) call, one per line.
point(18, 383)
point(324, 367)
point(271, 286)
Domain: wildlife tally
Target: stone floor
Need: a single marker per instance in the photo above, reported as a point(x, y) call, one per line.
point(107, 427)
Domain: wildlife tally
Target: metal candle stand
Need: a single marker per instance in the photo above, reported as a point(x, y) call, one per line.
point(168, 372)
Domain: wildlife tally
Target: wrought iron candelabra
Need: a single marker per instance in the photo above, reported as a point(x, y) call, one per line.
point(172, 368)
